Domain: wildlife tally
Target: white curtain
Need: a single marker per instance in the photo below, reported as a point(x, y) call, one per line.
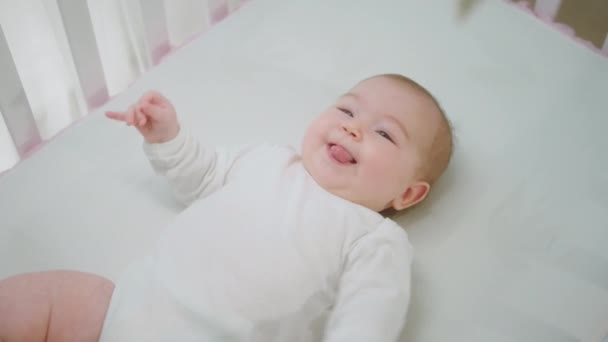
point(41, 51)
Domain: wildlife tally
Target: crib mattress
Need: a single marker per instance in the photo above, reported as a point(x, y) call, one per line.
point(511, 245)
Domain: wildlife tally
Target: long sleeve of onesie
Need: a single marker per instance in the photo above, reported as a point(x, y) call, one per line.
point(192, 169)
point(374, 290)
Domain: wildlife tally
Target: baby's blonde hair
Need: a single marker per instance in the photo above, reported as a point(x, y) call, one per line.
point(438, 155)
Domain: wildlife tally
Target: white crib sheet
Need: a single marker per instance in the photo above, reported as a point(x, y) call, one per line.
point(511, 246)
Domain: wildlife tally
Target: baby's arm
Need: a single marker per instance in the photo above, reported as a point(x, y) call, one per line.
point(193, 170)
point(374, 290)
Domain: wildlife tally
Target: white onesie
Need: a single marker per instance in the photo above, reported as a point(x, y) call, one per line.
point(262, 253)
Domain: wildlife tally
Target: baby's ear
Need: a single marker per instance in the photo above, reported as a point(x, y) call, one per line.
point(413, 195)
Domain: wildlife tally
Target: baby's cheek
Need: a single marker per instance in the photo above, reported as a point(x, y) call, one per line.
point(381, 165)
point(313, 134)
point(393, 166)
point(317, 129)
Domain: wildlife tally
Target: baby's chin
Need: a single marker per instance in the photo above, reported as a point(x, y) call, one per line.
point(338, 187)
point(325, 177)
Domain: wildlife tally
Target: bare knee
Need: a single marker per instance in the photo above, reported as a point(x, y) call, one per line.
point(24, 308)
point(78, 306)
point(53, 306)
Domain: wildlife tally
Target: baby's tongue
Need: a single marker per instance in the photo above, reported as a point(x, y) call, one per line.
point(340, 154)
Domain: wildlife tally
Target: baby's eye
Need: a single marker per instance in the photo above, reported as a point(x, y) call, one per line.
point(346, 111)
point(386, 136)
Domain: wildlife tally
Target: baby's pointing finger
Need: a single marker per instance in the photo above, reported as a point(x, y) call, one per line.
point(120, 116)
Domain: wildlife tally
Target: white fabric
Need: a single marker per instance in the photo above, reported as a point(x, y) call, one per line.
point(262, 254)
point(511, 246)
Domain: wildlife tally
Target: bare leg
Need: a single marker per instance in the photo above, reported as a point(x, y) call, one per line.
point(53, 306)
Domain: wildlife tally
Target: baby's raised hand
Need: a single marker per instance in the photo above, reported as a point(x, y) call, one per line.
point(154, 117)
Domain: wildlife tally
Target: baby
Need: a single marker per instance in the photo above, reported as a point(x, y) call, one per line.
point(274, 245)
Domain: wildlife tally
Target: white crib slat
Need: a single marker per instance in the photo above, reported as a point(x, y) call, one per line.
point(85, 53)
point(155, 29)
point(14, 105)
point(185, 19)
point(8, 153)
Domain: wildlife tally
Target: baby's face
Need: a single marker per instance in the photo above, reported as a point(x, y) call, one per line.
point(367, 147)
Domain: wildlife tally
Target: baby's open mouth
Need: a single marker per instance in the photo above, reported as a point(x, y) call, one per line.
point(340, 154)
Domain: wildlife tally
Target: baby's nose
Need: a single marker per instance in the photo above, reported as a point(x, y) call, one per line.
point(352, 131)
